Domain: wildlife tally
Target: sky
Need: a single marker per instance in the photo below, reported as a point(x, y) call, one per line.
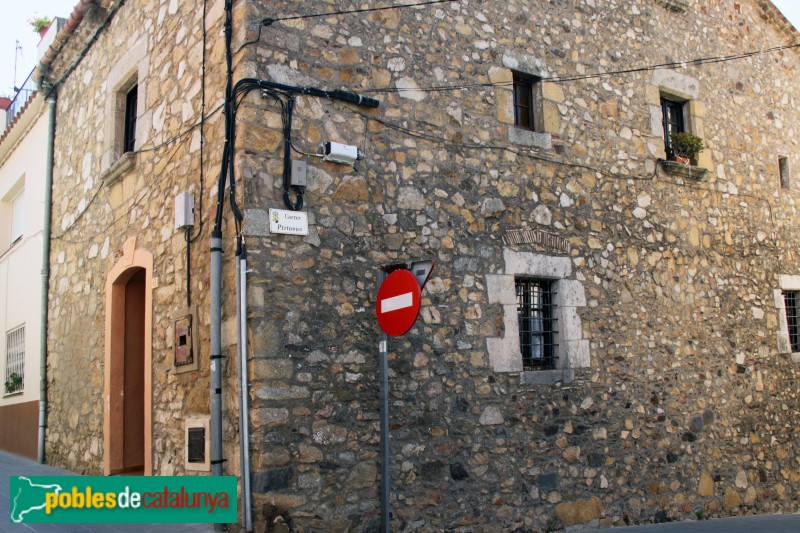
point(14, 27)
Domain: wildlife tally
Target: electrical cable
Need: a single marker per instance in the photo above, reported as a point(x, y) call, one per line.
point(269, 21)
point(476, 146)
point(654, 177)
point(188, 236)
point(217, 231)
point(105, 229)
point(185, 132)
point(564, 79)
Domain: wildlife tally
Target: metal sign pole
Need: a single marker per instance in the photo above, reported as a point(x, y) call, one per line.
point(383, 373)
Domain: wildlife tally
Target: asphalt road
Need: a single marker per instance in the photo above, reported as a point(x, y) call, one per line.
point(740, 524)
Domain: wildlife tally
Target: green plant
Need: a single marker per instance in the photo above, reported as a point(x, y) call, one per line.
point(39, 23)
point(685, 144)
point(13, 383)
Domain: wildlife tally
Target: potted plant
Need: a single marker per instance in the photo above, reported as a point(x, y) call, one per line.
point(13, 383)
point(685, 146)
point(40, 25)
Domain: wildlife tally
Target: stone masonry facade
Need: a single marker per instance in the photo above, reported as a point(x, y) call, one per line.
point(675, 391)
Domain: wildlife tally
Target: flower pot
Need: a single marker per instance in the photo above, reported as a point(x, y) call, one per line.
point(680, 159)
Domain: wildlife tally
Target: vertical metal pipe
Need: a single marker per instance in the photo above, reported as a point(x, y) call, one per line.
point(383, 374)
point(48, 191)
point(239, 364)
point(244, 387)
point(215, 356)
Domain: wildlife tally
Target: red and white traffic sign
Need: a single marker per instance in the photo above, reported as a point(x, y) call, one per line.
point(398, 302)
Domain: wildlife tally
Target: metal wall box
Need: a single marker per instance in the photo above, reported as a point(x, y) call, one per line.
point(197, 451)
point(186, 348)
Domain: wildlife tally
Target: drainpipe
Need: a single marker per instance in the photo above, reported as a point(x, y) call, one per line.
point(48, 191)
point(244, 389)
point(216, 357)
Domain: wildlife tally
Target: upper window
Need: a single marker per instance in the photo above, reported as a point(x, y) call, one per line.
point(537, 323)
point(15, 361)
point(672, 111)
point(131, 98)
point(17, 216)
point(527, 102)
point(792, 302)
point(783, 170)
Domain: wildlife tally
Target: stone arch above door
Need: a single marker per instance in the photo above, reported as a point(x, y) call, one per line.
point(132, 261)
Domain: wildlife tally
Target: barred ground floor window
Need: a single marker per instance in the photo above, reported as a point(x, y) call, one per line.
point(15, 361)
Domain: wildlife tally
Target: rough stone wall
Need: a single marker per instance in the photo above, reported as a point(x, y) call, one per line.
point(688, 409)
point(97, 208)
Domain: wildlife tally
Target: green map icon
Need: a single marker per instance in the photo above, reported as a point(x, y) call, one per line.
point(28, 498)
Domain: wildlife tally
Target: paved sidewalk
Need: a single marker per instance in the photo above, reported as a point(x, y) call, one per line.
point(789, 523)
point(13, 465)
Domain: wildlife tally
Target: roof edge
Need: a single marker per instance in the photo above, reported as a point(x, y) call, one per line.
point(63, 35)
point(774, 15)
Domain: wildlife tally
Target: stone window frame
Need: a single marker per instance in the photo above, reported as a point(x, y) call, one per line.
point(573, 349)
point(527, 66)
point(679, 88)
point(131, 70)
point(786, 282)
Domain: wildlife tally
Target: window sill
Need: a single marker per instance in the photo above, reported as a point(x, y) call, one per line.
point(546, 377)
point(685, 171)
point(530, 138)
point(12, 246)
point(121, 166)
point(15, 393)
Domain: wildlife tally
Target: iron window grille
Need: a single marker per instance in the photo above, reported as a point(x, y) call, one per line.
point(672, 112)
point(131, 102)
point(15, 361)
point(537, 323)
point(792, 301)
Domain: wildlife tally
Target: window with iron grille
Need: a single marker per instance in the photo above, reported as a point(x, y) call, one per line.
point(537, 323)
point(792, 302)
point(527, 102)
point(15, 360)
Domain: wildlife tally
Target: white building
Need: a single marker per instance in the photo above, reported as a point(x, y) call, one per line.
point(23, 168)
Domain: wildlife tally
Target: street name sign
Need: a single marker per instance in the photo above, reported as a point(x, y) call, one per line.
point(288, 222)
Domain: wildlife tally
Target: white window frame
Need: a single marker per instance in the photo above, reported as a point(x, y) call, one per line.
point(17, 216)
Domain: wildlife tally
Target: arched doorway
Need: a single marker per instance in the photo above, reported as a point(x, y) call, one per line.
point(127, 391)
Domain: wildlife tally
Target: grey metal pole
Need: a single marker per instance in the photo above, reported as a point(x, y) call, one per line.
point(245, 391)
point(383, 373)
point(216, 357)
point(239, 361)
point(48, 192)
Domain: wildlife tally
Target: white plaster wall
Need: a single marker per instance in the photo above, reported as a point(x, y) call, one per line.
point(22, 154)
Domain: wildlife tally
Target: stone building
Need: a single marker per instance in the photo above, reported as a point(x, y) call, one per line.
point(607, 337)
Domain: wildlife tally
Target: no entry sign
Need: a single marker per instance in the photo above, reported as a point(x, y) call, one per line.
point(398, 302)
